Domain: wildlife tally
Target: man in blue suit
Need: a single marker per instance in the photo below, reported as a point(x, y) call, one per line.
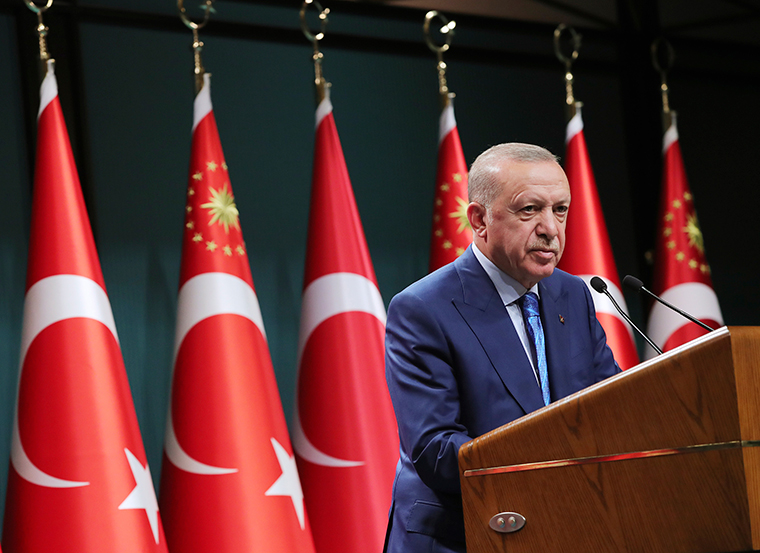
point(463, 355)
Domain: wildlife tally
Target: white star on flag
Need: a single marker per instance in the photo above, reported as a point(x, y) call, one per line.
point(288, 484)
point(143, 496)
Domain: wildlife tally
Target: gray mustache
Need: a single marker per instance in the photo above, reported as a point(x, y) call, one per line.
point(544, 245)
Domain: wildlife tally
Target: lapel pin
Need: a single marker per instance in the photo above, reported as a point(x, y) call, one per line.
point(561, 319)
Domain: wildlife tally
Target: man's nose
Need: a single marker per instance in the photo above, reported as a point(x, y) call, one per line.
point(547, 224)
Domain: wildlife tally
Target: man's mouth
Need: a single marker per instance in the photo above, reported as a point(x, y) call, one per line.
point(545, 254)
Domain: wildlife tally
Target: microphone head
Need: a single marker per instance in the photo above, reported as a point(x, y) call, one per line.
point(599, 285)
point(633, 282)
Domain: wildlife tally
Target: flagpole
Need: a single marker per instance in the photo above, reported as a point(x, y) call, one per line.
point(571, 105)
point(207, 8)
point(588, 251)
point(229, 481)
point(319, 80)
point(682, 275)
point(42, 31)
point(447, 30)
point(344, 430)
point(451, 233)
point(657, 53)
point(92, 490)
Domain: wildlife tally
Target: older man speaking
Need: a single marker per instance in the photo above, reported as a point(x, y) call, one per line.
point(485, 340)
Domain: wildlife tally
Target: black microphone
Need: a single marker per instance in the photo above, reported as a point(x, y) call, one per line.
point(600, 286)
point(637, 285)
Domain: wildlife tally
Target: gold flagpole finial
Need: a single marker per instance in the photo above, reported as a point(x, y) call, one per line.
point(207, 8)
point(42, 31)
point(571, 105)
point(319, 79)
point(447, 30)
point(663, 57)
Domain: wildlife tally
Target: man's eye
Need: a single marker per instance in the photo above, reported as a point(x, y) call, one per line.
point(529, 208)
point(561, 209)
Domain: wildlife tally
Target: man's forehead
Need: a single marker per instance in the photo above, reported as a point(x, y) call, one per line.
point(546, 192)
point(522, 169)
point(539, 175)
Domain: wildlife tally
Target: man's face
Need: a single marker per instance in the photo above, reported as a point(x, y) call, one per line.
point(523, 231)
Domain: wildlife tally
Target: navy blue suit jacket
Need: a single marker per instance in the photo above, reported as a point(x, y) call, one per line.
point(456, 369)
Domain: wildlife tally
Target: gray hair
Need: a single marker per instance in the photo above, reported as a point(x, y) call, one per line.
point(483, 186)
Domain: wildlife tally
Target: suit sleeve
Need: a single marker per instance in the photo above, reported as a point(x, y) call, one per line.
point(423, 387)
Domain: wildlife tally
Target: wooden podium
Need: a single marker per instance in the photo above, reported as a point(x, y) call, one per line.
point(664, 457)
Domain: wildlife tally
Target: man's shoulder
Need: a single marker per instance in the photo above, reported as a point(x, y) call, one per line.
point(561, 283)
point(441, 282)
point(445, 282)
point(563, 278)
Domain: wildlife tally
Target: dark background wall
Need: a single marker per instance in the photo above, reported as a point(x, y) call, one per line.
point(125, 78)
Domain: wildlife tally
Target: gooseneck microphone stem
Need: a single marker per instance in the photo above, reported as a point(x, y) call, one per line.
point(636, 284)
point(600, 286)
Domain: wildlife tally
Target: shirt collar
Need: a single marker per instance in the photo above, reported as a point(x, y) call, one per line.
point(508, 288)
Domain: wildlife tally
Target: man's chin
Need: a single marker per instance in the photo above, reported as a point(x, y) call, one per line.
point(543, 271)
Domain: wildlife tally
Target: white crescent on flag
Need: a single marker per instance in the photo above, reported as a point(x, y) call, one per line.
point(48, 301)
point(201, 297)
point(326, 297)
point(663, 322)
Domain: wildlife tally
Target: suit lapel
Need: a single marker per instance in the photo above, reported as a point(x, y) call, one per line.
point(482, 309)
point(557, 330)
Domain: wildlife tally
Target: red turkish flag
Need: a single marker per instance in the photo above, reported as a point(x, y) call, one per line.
point(451, 230)
point(229, 481)
point(682, 275)
point(344, 430)
point(78, 481)
point(588, 252)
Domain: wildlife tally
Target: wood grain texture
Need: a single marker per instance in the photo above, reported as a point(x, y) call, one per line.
point(745, 344)
point(703, 393)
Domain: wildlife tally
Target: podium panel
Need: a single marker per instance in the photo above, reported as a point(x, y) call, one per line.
point(664, 457)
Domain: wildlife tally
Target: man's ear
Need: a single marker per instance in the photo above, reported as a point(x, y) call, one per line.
point(476, 215)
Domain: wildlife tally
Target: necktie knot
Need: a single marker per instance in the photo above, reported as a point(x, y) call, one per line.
point(530, 304)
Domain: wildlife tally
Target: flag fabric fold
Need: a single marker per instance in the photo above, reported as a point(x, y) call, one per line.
point(451, 233)
point(682, 275)
point(79, 481)
point(229, 482)
point(588, 251)
point(344, 429)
